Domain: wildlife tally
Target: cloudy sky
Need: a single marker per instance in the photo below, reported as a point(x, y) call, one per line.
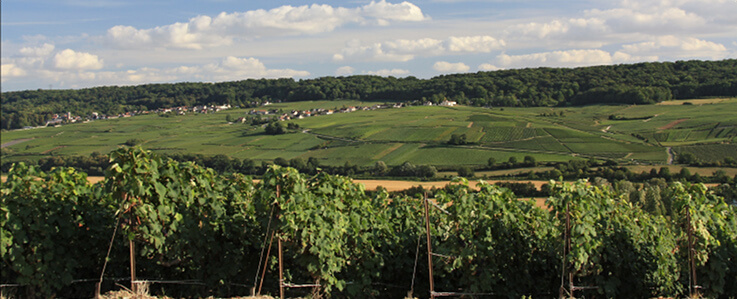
point(84, 43)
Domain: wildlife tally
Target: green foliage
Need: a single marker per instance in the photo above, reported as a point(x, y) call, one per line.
point(53, 227)
point(495, 242)
point(713, 225)
point(182, 216)
point(133, 142)
point(191, 224)
point(458, 139)
point(275, 128)
point(615, 245)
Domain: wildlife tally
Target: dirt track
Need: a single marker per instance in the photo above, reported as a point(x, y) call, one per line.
point(14, 142)
point(673, 124)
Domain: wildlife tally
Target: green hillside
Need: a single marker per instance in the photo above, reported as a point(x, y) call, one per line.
point(418, 134)
point(641, 83)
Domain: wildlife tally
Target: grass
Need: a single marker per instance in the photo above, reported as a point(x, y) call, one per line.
point(415, 134)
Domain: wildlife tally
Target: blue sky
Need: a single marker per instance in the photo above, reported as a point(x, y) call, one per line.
point(85, 43)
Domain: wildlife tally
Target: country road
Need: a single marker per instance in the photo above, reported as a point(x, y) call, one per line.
point(14, 142)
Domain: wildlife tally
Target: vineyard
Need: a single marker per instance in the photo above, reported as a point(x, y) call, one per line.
point(190, 232)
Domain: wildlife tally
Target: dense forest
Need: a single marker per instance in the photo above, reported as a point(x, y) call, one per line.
point(642, 83)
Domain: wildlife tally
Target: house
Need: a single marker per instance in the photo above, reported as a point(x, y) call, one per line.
point(448, 103)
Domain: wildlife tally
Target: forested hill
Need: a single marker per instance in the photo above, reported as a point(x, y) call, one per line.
point(641, 83)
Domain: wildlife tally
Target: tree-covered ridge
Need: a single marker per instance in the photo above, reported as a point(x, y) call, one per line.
point(641, 83)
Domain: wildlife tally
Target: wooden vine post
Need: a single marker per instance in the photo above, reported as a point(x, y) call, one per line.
point(429, 247)
point(693, 287)
point(566, 251)
point(281, 263)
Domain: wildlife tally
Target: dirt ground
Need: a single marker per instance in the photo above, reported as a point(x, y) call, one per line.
point(673, 124)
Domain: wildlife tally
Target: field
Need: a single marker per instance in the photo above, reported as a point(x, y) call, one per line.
point(418, 134)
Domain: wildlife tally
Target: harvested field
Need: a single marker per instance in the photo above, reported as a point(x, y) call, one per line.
point(390, 185)
point(694, 101)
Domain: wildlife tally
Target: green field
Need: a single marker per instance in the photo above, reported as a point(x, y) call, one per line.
point(416, 134)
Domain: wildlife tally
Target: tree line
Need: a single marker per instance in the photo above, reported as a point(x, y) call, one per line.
point(191, 225)
point(642, 83)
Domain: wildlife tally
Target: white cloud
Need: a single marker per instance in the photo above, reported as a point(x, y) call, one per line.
point(206, 31)
point(344, 71)
point(474, 44)
point(389, 72)
point(488, 67)
point(404, 11)
point(69, 59)
point(9, 70)
point(41, 51)
point(576, 28)
point(229, 69)
point(569, 58)
point(657, 21)
point(354, 51)
point(678, 47)
point(234, 68)
point(447, 67)
point(407, 49)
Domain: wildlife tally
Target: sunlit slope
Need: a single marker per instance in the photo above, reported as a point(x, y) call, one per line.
point(416, 134)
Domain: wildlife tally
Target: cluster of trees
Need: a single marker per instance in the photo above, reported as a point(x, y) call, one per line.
point(189, 224)
point(641, 83)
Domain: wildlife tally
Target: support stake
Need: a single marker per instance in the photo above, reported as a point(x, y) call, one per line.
point(281, 272)
point(268, 252)
point(429, 247)
point(132, 246)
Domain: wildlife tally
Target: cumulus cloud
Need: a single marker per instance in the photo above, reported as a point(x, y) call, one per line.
point(71, 60)
point(383, 12)
point(574, 28)
point(345, 71)
point(389, 72)
point(488, 67)
point(206, 31)
point(8, 70)
point(447, 67)
point(576, 58)
point(474, 44)
point(235, 68)
point(678, 47)
point(228, 69)
point(45, 50)
point(667, 20)
point(628, 21)
point(569, 58)
point(408, 49)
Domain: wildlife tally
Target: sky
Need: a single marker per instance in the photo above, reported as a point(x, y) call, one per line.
point(63, 44)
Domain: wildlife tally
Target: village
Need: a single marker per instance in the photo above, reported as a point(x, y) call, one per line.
point(67, 118)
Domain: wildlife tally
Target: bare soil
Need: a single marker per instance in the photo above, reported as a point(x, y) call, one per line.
point(673, 124)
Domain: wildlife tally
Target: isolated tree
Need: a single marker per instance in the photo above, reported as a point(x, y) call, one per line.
point(687, 158)
point(380, 168)
point(466, 172)
point(281, 162)
point(275, 128)
point(530, 160)
point(491, 162)
point(457, 139)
